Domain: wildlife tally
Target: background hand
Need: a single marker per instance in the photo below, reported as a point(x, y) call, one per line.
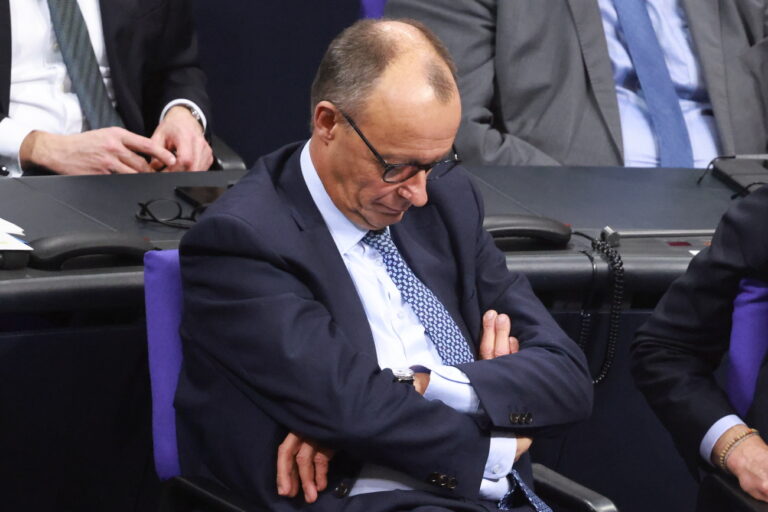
point(182, 134)
point(749, 463)
point(301, 462)
point(104, 151)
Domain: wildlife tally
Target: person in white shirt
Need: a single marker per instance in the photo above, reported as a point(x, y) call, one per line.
point(147, 57)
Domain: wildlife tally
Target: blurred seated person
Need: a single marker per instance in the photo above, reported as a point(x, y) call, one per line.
point(677, 351)
point(351, 333)
point(560, 82)
point(93, 87)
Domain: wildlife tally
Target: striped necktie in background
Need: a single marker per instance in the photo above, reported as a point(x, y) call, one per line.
point(82, 67)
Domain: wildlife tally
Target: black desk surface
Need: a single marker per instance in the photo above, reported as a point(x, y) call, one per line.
point(589, 198)
point(586, 198)
point(51, 205)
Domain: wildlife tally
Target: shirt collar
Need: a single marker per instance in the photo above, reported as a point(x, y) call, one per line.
point(345, 233)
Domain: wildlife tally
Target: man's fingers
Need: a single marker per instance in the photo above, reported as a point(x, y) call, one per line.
point(134, 161)
point(514, 345)
point(287, 477)
point(488, 339)
point(501, 336)
point(118, 167)
point(305, 461)
point(185, 158)
point(523, 445)
point(148, 147)
point(321, 461)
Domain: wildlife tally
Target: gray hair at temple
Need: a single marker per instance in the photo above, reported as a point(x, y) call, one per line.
point(358, 56)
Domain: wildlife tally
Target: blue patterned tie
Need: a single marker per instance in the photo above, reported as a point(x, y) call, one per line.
point(442, 330)
point(518, 483)
point(82, 67)
point(656, 84)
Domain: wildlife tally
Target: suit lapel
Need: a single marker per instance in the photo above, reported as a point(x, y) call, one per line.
point(418, 240)
point(5, 57)
point(705, 22)
point(335, 285)
point(594, 51)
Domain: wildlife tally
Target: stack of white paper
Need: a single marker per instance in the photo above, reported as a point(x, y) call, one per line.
point(8, 241)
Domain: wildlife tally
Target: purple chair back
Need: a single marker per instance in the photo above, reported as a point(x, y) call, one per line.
point(162, 294)
point(749, 342)
point(372, 8)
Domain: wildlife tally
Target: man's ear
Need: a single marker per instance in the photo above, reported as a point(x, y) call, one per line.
point(325, 121)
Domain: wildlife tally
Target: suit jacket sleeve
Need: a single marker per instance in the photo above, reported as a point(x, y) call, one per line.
point(468, 29)
point(252, 312)
point(677, 350)
point(546, 386)
point(173, 71)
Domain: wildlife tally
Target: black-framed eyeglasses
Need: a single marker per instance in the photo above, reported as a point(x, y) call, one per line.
point(167, 212)
point(398, 173)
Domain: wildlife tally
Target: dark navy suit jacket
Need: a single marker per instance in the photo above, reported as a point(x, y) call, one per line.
point(677, 351)
point(152, 51)
point(276, 340)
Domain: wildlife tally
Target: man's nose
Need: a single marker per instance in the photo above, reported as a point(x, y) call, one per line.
point(415, 189)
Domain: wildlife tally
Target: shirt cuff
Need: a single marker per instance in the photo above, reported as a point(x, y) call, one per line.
point(186, 103)
point(712, 435)
point(452, 387)
point(501, 458)
point(12, 134)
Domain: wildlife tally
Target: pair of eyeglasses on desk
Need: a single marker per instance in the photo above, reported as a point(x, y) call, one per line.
point(167, 212)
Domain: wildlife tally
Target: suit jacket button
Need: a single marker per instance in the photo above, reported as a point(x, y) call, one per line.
point(341, 490)
point(528, 418)
point(452, 483)
point(514, 418)
point(434, 479)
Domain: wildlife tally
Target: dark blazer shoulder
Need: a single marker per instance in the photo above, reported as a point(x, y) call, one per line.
point(257, 202)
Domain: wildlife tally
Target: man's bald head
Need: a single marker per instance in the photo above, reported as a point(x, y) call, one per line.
point(357, 59)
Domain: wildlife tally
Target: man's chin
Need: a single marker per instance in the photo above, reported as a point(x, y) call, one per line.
point(383, 219)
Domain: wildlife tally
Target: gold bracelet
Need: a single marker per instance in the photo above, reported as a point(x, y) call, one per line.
point(723, 459)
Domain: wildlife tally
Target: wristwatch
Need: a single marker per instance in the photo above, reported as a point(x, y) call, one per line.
point(404, 375)
point(195, 113)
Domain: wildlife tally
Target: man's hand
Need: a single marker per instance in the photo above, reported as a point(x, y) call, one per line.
point(105, 151)
point(496, 341)
point(523, 445)
point(421, 382)
point(302, 462)
point(182, 134)
point(748, 461)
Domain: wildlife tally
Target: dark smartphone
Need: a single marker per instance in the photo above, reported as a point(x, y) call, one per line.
point(200, 196)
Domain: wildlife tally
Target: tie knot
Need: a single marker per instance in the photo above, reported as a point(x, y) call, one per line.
point(378, 239)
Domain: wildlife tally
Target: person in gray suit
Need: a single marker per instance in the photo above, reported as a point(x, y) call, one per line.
point(550, 82)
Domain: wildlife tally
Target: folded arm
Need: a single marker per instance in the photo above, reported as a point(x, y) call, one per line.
point(303, 370)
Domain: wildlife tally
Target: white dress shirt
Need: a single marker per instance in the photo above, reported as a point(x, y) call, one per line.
point(671, 26)
point(402, 342)
point(41, 95)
